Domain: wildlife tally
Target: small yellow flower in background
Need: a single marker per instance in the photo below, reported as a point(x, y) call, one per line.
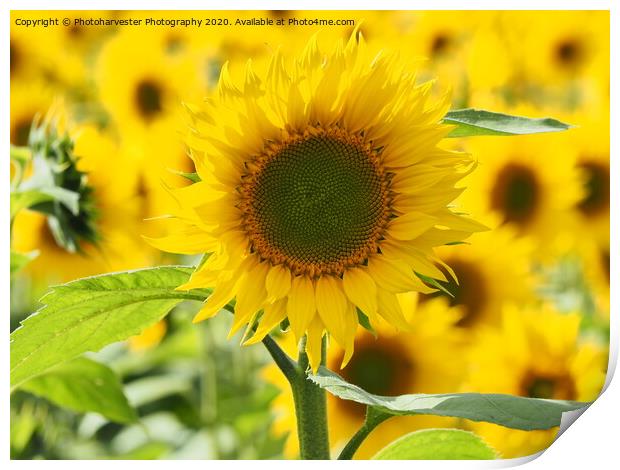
point(591, 143)
point(430, 359)
point(517, 185)
point(440, 40)
point(493, 268)
point(141, 86)
point(323, 189)
point(560, 47)
point(537, 353)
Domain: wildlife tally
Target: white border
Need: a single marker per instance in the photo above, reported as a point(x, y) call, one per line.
point(591, 442)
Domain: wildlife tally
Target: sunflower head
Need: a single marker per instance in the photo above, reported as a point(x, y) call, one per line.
point(323, 192)
point(55, 168)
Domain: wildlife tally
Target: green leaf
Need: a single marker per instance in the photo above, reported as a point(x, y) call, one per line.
point(364, 321)
point(193, 177)
point(434, 283)
point(437, 444)
point(19, 260)
point(506, 410)
point(88, 314)
point(84, 385)
point(472, 122)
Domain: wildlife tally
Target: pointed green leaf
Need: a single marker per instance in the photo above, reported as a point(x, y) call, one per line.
point(84, 385)
point(506, 410)
point(471, 122)
point(88, 314)
point(437, 444)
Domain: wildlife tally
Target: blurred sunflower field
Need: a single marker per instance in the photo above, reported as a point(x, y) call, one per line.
point(111, 116)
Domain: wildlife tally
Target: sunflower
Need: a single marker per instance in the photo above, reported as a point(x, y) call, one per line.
point(560, 47)
point(493, 269)
point(35, 53)
point(517, 185)
point(322, 190)
point(536, 353)
point(141, 86)
point(591, 142)
point(443, 38)
point(427, 360)
point(116, 222)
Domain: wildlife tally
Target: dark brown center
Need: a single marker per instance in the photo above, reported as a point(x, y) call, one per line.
point(516, 194)
point(148, 97)
point(556, 387)
point(596, 199)
point(20, 131)
point(379, 366)
point(470, 293)
point(569, 53)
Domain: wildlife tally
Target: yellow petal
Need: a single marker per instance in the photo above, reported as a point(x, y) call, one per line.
point(390, 309)
point(361, 290)
point(274, 314)
point(394, 275)
point(416, 178)
point(190, 241)
point(459, 222)
point(278, 282)
point(250, 296)
point(300, 307)
point(333, 308)
point(222, 294)
point(314, 342)
point(350, 331)
point(410, 225)
point(416, 259)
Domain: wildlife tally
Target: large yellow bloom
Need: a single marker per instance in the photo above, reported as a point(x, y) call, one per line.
point(322, 190)
point(430, 359)
point(536, 353)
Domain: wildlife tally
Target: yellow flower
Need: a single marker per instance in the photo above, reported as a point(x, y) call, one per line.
point(45, 51)
point(322, 190)
point(536, 353)
point(591, 143)
point(116, 221)
point(427, 360)
point(442, 37)
point(558, 47)
point(517, 185)
point(493, 269)
point(141, 86)
point(591, 232)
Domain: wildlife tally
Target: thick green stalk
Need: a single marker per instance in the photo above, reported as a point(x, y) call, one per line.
point(311, 411)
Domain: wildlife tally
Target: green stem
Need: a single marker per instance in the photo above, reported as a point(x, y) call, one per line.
point(373, 419)
point(311, 410)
